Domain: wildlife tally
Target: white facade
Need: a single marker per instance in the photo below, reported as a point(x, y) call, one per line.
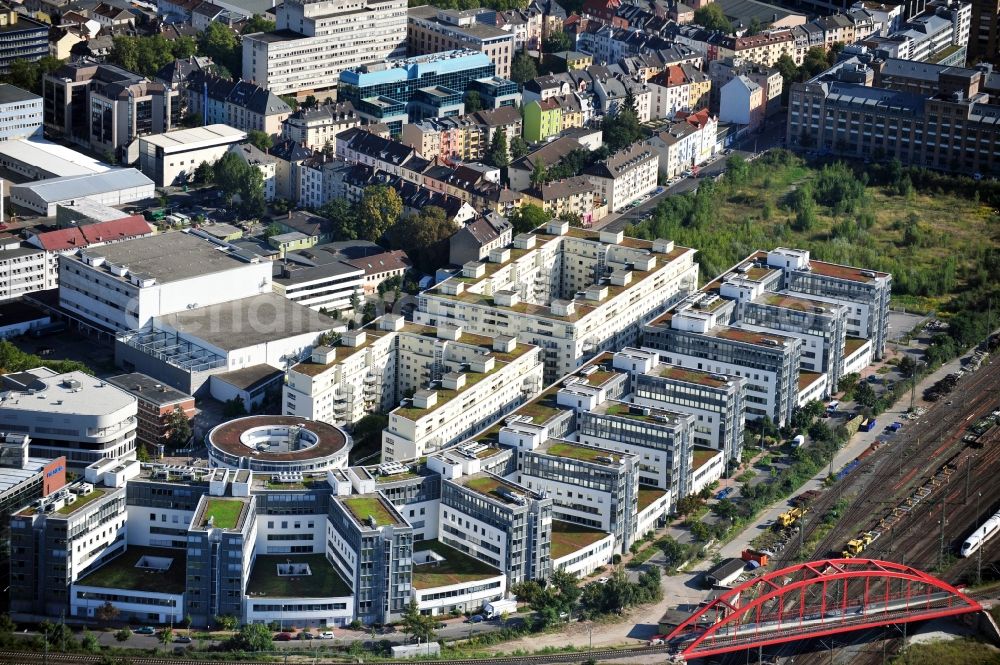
point(648, 518)
point(297, 611)
point(709, 472)
point(585, 561)
point(171, 158)
point(153, 607)
point(96, 419)
point(319, 39)
point(114, 188)
point(20, 113)
point(467, 596)
point(816, 389)
point(626, 176)
point(22, 269)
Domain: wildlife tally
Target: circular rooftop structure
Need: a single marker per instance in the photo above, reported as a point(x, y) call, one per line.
point(278, 444)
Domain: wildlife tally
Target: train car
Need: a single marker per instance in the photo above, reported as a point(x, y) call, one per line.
point(979, 537)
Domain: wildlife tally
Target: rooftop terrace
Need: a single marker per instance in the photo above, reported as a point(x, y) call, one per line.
point(581, 453)
point(454, 568)
point(166, 572)
point(689, 376)
point(364, 506)
point(225, 513)
point(568, 538)
point(322, 580)
point(494, 488)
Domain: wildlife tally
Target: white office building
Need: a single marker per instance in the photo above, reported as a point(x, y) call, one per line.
point(20, 113)
point(171, 158)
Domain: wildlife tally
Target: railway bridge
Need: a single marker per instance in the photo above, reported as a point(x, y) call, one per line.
point(815, 599)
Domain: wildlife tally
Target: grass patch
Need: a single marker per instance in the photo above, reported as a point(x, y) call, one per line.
point(579, 453)
point(226, 513)
point(122, 573)
point(81, 501)
point(363, 506)
point(323, 580)
point(456, 568)
point(568, 538)
point(963, 651)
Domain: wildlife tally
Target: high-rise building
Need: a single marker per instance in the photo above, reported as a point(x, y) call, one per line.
point(431, 30)
point(318, 39)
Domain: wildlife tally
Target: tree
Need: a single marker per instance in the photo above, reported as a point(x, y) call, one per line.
point(219, 42)
point(179, 428)
point(228, 173)
point(379, 209)
point(711, 17)
point(258, 23)
point(260, 139)
point(203, 174)
point(754, 28)
point(227, 621)
point(538, 173)
point(497, 155)
point(518, 147)
point(418, 625)
point(556, 42)
point(848, 383)
point(523, 69)
point(865, 395)
point(473, 102)
point(141, 453)
point(89, 641)
point(28, 75)
point(424, 237)
point(254, 637)
point(123, 634)
point(527, 218)
point(147, 55)
point(106, 613)
point(344, 218)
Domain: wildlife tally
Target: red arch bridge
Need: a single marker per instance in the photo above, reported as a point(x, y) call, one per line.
point(815, 599)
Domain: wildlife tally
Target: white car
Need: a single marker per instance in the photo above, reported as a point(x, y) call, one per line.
point(327, 635)
point(603, 580)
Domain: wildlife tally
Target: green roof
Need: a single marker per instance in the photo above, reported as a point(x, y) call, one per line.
point(226, 513)
point(581, 453)
point(361, 507)
point(702, 457)
point(81, 501)
point(122, 573)
point(568, 538)
point(456, 568)
point(647, 495)
point(322, 582)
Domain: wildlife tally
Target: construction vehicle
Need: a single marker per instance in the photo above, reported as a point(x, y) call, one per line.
point(858, 545)
point(790, 517)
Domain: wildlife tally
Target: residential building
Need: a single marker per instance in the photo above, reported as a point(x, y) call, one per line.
point(316, 128)
point(97, 420)
point(288, 168)
point(263, 162)
point(767, 78)
point(125, 285)
point(171, 158)
point(319, 278)
point(542, 119)
point(611, 94)
point(105, 107)
point(21, 38)
point(20, 113)
point(678, 88)
point(477, 239)
point(741, 14)
point(432, 30)
point(239, 104)
point(764, 48)
point(577, 196)
point(939, 35)
point(22, 269)
point(316, 41)
point(625, 176)
point(688, 141)
point(572, 292)
point(155, 404)
point(520, 170)
point(831, 112)
point(742, 102)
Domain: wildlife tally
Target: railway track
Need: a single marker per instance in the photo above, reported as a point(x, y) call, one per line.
point(25, 658)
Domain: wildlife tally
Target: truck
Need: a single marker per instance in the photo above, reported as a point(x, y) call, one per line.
point(790, 517)
point(754, 555)
point(868, 425)
point(496, 608)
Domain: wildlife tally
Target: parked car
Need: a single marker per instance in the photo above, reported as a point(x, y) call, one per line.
point(603, 580)
point(283, 637)
point(145, 630)
point(183, 639)
point(475, 618)
point(657, 640)
point(326, 635)
point(306, 635)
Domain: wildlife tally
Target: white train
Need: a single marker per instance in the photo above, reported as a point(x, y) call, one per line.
point(979, 537)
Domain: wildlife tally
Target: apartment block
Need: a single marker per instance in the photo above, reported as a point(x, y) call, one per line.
point(316, 40)
point(432, 30)
point(690, 140)
point(20, 113)
point(767, 78)
point(317, 128)
point(939, 35)
point(21, 38)
point(625, 176)
point(679, 88)
point(240, 104)
point(572, 292)
point(928, 115)
point(155, 404)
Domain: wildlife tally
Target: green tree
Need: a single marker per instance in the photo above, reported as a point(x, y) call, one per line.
point(848, 383)
point(344, 218)
point(754, 28)
point(166, 636)
point(106, 613)
point(123, 634)
point(254, 637)
point(179, 428)
point(228, 173)
point(258, 23)
point(538, 174)
point(28, 75)
point(148, 54)
point(141, 453)
point(89, 641)
point(711, 17)
point(220, 43)
point(203, 174)
point(557, 41)
point(260, 139)
point(527, 218)
point(473, 102)
point(379, 209)
point(497, 155)
point(523, 69)
point(227, 621)
point(418, 625)
point(518, 147)
point(865, 395)
point(424, 237)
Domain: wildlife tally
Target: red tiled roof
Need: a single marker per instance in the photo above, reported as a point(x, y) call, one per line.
point(88, 234)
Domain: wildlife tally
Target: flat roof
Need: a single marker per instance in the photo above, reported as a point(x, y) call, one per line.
point(647, 495)
point(197, 137)
point(227, 437)
point(807, 378)
point(580, 453)
point(249, 378)
point(568, 538)
point(690, 376)
point(168, 257)
point(748, 336)
point(227, 513)
point(50, 157)
point(122, 572)
point(71, 393)
point(321, 580)
point(454, 568)
point(488, 485)
point(11, 477)
point(10, 94)
point(245, 322)
point(52, 190)
point(148, 389)
point(363, 506)
point(702, 456)
point(16, 311)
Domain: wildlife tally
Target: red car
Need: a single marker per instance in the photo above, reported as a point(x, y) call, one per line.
point(282, 637)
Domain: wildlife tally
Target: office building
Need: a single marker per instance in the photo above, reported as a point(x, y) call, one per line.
point(20, 113)
point(920, 113)
point(97, 420)
point(432, 30)
point(171, 158)
point(316, 40)
point(156, 403)
point(572, 292)
point(22, 269)
point(124, 285)
point(21, 38)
